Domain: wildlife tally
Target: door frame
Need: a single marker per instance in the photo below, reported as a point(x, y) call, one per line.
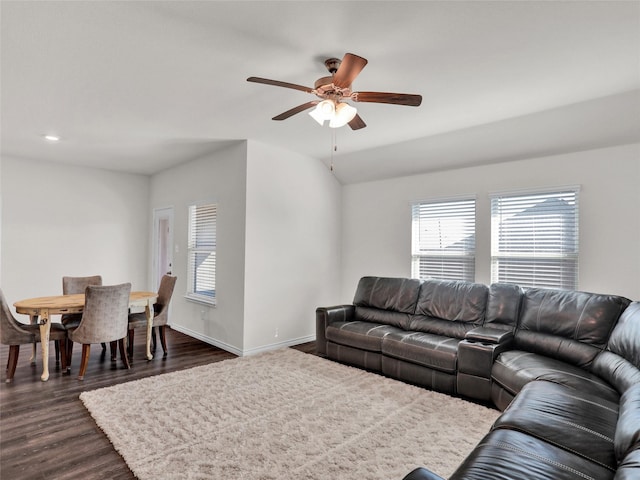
point(158, 215)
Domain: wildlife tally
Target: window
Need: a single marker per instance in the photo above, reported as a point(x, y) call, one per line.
point(534, 239)
point(201, 285)
point(444, 244)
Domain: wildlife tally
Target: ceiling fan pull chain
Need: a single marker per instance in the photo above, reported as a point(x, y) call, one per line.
point(334, 146)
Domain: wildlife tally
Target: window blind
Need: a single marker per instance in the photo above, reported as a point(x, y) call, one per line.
point(534, 239)
point(443, 240)
point(201, 285)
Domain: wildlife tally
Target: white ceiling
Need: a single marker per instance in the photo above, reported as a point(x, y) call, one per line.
point(139, 86)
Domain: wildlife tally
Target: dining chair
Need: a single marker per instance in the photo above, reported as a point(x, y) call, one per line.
point(104, 319)
point(160, 314)
point(71, 286)
point(15, 333)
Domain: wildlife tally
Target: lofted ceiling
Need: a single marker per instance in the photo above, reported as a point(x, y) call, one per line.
point(140, 86)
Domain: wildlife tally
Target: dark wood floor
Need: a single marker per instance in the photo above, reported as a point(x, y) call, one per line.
point(45, 431)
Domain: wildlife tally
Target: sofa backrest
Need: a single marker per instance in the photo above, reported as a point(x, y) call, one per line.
point(449, 308)
point(619, 363)
point(567, 325)
point(503, 306)
point(389, 301)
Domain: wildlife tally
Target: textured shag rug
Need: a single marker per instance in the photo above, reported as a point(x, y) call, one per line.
point(284, 415)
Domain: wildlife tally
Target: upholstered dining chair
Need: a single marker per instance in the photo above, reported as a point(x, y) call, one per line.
point(160, 314)
point(104, 319)
point(71, 286)
point(14, 334)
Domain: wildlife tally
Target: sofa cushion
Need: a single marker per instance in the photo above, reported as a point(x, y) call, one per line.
point(449, 308)
point(627, 436)
point(576, 421)
point(383, 317)
point(514, 369)
point(508, 455)
point(433, 351)
point(393, 294)
point(364, 335)
point(567, 325)
point(453, 300)
point(503, 305)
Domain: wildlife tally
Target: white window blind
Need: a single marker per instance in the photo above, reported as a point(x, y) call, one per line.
point(443, 240)
point(201, 285)
point(534, 239)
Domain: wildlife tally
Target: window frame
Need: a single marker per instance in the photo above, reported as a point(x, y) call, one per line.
point(552, 261)
point(461, 259)
point(196, 246)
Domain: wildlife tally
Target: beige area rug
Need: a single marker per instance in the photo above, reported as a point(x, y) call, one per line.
point(284, 415)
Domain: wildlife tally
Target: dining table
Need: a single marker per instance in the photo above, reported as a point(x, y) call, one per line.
point(41, 309)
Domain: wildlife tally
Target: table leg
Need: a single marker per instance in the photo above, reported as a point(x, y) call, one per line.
point(34, 321)
point(45, 329)
point(149, 311)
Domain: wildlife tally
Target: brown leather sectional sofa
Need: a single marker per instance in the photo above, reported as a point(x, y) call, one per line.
point(563, 365)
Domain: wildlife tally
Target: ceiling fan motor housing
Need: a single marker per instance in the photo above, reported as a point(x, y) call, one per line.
point(332, 64)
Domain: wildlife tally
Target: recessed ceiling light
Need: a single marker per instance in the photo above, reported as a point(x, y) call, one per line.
point(52, 138)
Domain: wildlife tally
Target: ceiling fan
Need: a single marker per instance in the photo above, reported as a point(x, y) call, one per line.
point(333, 90)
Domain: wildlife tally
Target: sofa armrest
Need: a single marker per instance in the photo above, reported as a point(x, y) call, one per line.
point(422, 474)
point(325, 316)
point(489, 335)
point(476, 354)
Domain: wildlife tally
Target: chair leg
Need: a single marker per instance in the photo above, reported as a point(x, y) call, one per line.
point(112, 347)
point(69, 353)
point(57, 349)
point(14, 351)
point(153, 339)
point(104, 346)
point(86, 350)
point(163, 338)
point(130, 341)
point(123, 354)
point(61, 345)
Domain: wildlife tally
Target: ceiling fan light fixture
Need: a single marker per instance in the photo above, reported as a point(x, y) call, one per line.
point(317, 116)
point(325, 110)
point(344, 114)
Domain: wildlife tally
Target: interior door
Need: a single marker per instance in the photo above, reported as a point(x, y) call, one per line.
point(163, 243)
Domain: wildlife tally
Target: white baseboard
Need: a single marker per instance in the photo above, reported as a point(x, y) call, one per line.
point(240, 352)
point(209, 340)
point(275, 346)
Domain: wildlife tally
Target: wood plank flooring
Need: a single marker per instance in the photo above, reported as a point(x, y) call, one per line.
point(45, 431)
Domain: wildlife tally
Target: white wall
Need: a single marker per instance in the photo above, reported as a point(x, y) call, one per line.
point(376, 235)
point(292, 262)
point(219, 177)
point(62, 220)
point(290, 238)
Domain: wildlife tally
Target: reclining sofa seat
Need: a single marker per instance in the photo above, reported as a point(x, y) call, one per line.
point(353, 333)
point(426, 353)
point(558, 336)
point(561, 428)
point(404, 328)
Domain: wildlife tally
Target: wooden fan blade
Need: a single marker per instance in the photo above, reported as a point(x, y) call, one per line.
point(348, 70)
point(293, 111)
point(357, 123)
point(393, 98)
point(277, 83)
